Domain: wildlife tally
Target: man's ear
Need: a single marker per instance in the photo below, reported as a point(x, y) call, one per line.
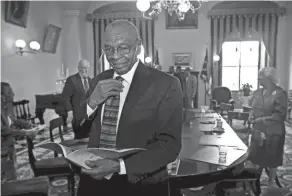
point(139, 44)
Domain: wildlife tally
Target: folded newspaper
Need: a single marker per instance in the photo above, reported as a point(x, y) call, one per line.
point(78, 157)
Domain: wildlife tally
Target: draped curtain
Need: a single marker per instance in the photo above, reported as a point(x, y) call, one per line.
point(146, 30)
point(241, 27)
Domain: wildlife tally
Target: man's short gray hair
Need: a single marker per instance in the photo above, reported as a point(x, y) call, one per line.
point(123, 23)
point(271, 73)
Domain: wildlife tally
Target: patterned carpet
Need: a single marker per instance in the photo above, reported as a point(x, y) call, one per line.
point(59, 186)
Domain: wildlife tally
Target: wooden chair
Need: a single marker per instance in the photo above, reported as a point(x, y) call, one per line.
point(51, 167)
point(221, 100)
point(22, 110)
point(57, 123)
point(38, 186)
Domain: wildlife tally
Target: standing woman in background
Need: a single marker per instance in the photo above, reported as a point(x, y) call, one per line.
point(268, 114)
point(8, 155)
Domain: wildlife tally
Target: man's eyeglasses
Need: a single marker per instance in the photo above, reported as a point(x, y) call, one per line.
point(121, 50)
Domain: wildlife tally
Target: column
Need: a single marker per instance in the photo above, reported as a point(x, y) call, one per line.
point(71, 44)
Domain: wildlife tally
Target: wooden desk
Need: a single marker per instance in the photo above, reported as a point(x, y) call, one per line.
point(38, 186)
point(239, 114)
point(191, 172)
point(50, 101)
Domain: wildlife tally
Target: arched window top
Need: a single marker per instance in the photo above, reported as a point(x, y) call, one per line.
point(245, 8)
point(116, 10)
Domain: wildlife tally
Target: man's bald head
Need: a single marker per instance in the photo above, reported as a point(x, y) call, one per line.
point(83, 68)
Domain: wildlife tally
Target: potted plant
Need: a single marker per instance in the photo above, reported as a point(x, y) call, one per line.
point(246, 88)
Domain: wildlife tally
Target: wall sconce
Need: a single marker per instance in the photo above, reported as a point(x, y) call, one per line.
point(148, 60)
point(216, 58)
point(20, 45)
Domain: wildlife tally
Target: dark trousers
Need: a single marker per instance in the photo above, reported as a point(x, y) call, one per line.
point(119, 185)
point(80, 132)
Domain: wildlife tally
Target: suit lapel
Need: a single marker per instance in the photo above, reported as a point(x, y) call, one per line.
point(139, 85)
point(79, 83)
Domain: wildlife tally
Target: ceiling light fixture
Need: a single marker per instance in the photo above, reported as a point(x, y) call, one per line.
point(180, 7)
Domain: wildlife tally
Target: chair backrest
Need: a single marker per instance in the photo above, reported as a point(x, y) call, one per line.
point(21, 109)
point(31, 157)
point(221, 94)
point(56, 123)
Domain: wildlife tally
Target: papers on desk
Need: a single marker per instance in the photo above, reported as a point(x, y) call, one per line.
point(210, 154)
point(218, 140)
point(206, 127)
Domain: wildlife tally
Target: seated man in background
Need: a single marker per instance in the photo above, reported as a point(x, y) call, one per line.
point(131, 106)
point(75, 89)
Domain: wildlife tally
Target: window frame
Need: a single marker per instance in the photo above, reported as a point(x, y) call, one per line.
point(239, 64)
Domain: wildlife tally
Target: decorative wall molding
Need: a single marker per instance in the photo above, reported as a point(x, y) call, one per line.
point(248, 12)
point(72, 12)
point(96, 16)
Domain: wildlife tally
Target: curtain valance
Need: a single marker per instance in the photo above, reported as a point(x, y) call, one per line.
point(116, 15)
point(247, 12)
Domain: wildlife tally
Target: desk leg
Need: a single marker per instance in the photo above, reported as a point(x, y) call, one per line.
point(40, 115)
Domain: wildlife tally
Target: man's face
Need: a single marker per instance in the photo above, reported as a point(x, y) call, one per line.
point(121, 49)
point(171, 69)
point(83, 69)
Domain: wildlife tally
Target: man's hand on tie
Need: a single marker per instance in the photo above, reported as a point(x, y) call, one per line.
point(101, 168)
point(103, 90)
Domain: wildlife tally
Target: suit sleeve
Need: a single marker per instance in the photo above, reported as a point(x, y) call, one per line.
point(280, 109)
point(81, 114)
point(67, 94)
point(167, 144)
point(195, 86)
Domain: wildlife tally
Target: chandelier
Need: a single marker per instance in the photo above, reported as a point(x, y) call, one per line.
point(180, 7)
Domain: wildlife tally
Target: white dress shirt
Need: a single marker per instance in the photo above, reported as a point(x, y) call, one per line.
point(128, 77)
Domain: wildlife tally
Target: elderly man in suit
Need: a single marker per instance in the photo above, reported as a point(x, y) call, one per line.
point(131, 106)
point(74, 92)
point(191, 88)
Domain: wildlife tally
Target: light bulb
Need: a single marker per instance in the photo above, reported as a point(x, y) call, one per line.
point(216, 58)
point(34, 45)
point(143, 5)
point(20, 43)
point(184, 7)
point(148, 59)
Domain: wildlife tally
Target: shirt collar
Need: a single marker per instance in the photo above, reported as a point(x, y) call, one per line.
point(128, 77)
point(83, 78)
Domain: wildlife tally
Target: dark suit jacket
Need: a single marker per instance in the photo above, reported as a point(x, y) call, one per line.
point(151, 119)
point(73, 94)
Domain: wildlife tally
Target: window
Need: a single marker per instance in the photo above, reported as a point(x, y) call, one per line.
point(240, 64)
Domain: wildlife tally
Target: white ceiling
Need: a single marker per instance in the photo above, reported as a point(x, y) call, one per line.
point(84, 5)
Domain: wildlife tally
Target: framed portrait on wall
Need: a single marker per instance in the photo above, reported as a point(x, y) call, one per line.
point(51, 39)
point(16, 12)
point(190, 21)
point(182, 59)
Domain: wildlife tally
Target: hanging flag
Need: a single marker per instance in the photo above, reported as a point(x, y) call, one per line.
point(209, 86)
point(204, 71)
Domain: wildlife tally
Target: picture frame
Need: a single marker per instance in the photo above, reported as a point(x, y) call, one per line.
point(190, 21)
point(51, 39)
point(16, 12)
point(182, 59)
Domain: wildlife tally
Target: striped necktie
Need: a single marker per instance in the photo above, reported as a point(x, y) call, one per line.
point(108, 131)
point(86, 86)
